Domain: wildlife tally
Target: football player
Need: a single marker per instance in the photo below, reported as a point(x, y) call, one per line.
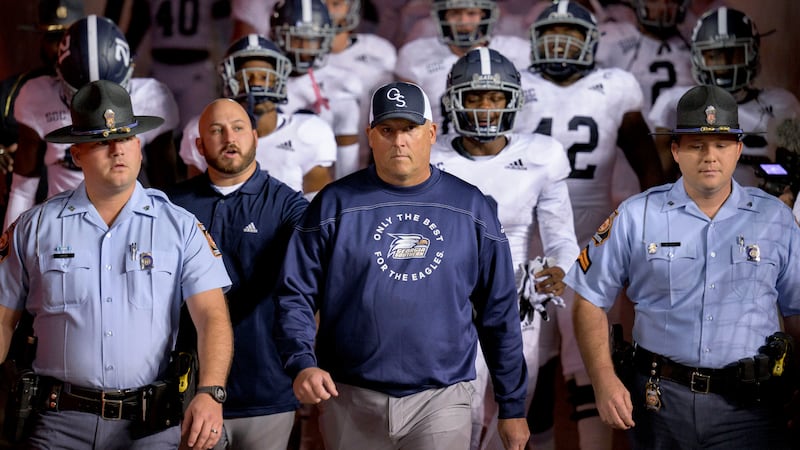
point(92, 48)
point(53, 19)
point(304, 32)
point(591, 111)
point(526, 175)
point(298, 148)
point(725, 52)
point(655, 52)
point(183, 38)
point(462, 25)
point(366, 56)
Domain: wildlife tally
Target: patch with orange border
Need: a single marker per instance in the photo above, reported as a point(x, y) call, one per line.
point(211, 244)
point(583, 260)
point(5, 242)
point(602, 233)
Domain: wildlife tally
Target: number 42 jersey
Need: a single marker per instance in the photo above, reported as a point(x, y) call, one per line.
point(585, 118)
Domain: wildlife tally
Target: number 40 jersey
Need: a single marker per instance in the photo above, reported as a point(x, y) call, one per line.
point(585, 118)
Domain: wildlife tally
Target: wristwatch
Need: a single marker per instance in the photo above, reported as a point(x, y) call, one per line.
point(216, 392)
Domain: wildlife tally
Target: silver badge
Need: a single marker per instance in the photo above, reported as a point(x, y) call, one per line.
point(711, 115)
point(145, 261)
point(109, 116)
point(753, 253)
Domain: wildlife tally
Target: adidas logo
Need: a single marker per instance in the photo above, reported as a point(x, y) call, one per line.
point(517, 165)
point(286, 145)
point(250, 228)
point(598, 87)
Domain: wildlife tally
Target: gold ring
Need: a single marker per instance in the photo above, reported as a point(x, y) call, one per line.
point(214, 431)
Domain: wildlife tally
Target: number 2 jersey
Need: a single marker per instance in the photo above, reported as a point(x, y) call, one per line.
point(585, 118)
point(656, 64)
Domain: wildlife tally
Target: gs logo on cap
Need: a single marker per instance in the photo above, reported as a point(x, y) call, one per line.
point(394, 95)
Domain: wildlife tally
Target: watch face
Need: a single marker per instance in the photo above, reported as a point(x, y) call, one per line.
point(219, 394)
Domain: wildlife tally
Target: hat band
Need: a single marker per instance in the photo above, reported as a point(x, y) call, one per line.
point(106, 132)
point(709, 130)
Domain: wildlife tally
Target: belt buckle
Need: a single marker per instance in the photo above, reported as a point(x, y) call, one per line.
point(700, 383)
point(116, 403)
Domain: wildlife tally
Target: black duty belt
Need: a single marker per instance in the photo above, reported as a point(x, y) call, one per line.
point(114, 405)
point(700, 380)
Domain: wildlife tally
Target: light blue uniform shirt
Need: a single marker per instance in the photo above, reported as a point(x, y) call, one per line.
point(707, 292)
point(106, 300)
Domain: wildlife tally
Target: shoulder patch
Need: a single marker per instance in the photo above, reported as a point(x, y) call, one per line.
point(211, 244)
point(602, 233)
point(5, 242)
point(583, 260)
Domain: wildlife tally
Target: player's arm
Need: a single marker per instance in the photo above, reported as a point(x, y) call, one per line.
point(640, 150)
point(591, 332)
point(162, 161)
point(557, 232)
point(29, 161)
point(316, 179)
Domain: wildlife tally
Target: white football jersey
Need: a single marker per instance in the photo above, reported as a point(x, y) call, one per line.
point(255, 13)
point(585, 117)
point(371, 59)
point(299, 143)
point(526, 179)
point(181, 24)
point(657, 65)
point(39, 107)
point(427, 62)
point(331, 92)
point(760, 115)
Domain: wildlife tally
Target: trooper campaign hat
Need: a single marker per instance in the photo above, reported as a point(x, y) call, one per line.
point(399, 100)
point(707, 109)
point(55, 16)
point(101, 110)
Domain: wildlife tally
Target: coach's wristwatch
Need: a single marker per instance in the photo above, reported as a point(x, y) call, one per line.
point(216, 392)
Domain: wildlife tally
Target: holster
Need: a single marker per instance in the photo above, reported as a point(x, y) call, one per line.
point(20, 384)
point(166, 400)
point(22, 403)
point(621, 354)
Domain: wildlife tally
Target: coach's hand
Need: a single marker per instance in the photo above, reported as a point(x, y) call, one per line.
point(313, 385)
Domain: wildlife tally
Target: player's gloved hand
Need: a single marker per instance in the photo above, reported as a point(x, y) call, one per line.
point(530, 299)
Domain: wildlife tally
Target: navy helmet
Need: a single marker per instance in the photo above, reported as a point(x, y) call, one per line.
point(449, 33)
point(483, 69)
point(558, 55)
point(293, 21)
point(93, 48)
point(725, 45)
point(259, 83)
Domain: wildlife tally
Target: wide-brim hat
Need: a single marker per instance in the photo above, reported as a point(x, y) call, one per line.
point(101, 110)
point(706, 109)
point(55, 16)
